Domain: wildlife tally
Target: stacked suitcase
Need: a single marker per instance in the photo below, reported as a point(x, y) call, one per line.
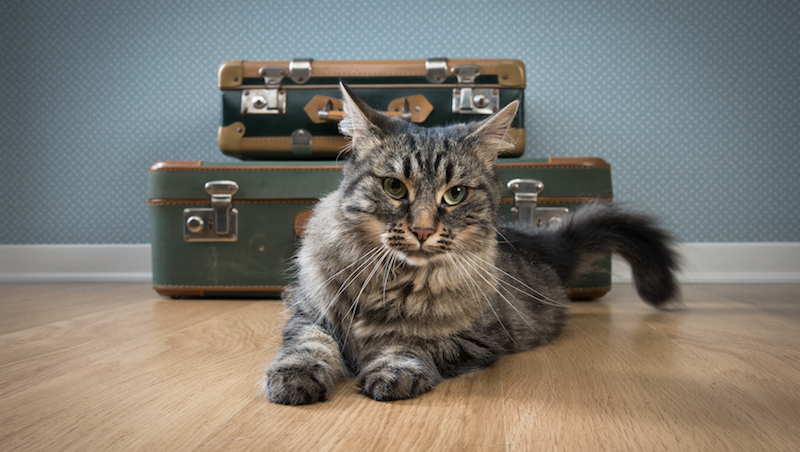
point(230, 228)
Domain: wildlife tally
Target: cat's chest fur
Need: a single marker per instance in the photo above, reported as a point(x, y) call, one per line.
point(422, 302)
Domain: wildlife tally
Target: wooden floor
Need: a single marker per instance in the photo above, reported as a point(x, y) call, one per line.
point(114, 367)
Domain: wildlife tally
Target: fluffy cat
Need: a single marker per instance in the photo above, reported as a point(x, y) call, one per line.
point(404, 277)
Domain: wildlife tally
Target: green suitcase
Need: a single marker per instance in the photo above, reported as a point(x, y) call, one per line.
point(289, 109)
point(230, 229)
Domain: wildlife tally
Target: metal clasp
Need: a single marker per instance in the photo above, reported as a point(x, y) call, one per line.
point(300, 70)
point(470, 100)
point(220, 222)
point(301, 144)
point(436, 69)
point(271, 100)
point(525, 212)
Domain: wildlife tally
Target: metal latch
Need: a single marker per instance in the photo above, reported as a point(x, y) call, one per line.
point(220, 222)
point(436, 69)
point(470, 100)
point(271, 100)
point(301, 144)
point(525, 213)
point(300, 70)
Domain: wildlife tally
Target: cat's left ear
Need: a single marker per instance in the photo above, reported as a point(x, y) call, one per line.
point(491, 133)
point(361, 123)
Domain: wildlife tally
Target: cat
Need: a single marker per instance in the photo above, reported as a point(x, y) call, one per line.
point(404, 277)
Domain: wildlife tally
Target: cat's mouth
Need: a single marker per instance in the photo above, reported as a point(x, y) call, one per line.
point(419, 257)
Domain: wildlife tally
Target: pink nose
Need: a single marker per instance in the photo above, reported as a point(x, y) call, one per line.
point(422, 233)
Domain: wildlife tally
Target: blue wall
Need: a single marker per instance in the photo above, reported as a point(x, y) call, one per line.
point(695, 103)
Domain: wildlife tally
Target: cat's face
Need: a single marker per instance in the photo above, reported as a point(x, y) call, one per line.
point(427, 194)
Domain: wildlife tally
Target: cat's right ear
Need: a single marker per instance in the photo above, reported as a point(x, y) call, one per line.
point(360, 122)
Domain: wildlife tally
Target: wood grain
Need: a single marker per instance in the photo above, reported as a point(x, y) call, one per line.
point(115, 367)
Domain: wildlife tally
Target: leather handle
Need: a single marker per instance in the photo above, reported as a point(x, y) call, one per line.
point(322, 109)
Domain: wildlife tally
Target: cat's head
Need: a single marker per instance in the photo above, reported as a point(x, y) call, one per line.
point(423, 192)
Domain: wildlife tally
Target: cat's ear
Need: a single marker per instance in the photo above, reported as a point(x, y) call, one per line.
point(491, 133)
point(361, 123)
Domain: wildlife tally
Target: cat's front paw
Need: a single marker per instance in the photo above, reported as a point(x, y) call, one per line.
point(385, 381)
point(299, 383)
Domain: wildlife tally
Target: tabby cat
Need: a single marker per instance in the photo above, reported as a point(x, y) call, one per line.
point(405, 278)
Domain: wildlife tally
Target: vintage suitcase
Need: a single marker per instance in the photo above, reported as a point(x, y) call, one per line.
point(230, 229)
point(290, 109)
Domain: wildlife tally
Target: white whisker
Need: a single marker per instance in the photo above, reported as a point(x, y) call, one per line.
point(378, 261)
point(503, 237)
point(510, 304)
point(473, 285)
point(538, 295)
point(488, 302)
point(367, 259)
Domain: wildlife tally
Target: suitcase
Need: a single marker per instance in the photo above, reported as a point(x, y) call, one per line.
point(290, 109)
point(230, 229)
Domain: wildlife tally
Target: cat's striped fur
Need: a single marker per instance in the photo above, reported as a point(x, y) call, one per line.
point(405, 291)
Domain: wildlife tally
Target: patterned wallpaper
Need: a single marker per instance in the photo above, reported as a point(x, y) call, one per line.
point(696, 104)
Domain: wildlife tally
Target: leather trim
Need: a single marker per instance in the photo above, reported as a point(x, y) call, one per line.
point(511, 73)
point(198, 166)
point(170, 165)
point(512, 70)
point(230, 75)
point(203, 291)
point(588, 293)
point(553, 162)
point(230, 137)
point(175, 202)
point(560, 162)
point(327, 145)
point(563, 200)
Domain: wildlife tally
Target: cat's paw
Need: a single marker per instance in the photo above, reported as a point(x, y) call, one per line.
point(299, 383)
point(385, 381)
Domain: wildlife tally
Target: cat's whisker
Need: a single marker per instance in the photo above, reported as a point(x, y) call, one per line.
point(496, 288)
point(365, 260)
point(378, 261)
point(389, 269)
point(534, 296)
point(489, 302)
point(538, 295)
point(465, 274)
point(503, 237)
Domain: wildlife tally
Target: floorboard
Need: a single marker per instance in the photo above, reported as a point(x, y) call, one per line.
point(116, 367)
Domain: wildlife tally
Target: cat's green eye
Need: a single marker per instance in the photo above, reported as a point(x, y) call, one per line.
point(394, 188)
point(454, 195)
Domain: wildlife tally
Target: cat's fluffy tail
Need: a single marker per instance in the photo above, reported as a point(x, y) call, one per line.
point(597, 230)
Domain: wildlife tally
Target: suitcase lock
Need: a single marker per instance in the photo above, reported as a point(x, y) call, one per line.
point(271, 100)
point(525, 212)
point(220, 222)
point(468, 100)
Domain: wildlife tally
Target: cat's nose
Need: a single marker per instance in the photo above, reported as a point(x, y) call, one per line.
point(422, 233)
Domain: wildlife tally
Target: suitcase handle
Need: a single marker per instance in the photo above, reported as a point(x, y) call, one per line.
point(322, 109)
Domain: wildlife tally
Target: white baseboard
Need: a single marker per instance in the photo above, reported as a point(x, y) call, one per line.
point(703, 262)
point(751, 262)
point(79, 263)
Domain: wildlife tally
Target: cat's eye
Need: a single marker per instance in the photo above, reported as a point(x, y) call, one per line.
point(394, 188)
point(454, 195)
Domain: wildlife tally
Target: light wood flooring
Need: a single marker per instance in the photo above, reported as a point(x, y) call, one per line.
point(96, 367)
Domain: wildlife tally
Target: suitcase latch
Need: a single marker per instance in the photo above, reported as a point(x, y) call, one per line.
point(468, 100)
point(271, 100)
point(436, 70)
point(300, 70)
point(220, 222)
point(525, 212)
